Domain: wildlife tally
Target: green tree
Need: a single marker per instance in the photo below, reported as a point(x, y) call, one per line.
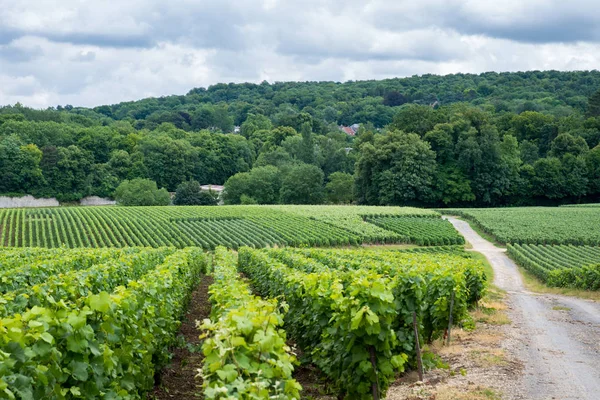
point(19, 166)
point(303, 184)
point(167, 160)
point(592, 160)
point(262, 184)
point(339, 189)
point(593, 106)
point(399, 169)
point(415, 118)
point(141, 192)
point(307, 150)
point(565, 144)
point(189, 193)
point(548, 179)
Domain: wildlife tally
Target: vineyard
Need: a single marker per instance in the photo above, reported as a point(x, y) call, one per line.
point(85, 323)
point(537, 225)
point(90, 323)
point(419, 230)
point(351, 311)
point(563, 266)
point(209, 227)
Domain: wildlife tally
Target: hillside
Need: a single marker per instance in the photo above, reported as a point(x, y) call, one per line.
point(489, 139)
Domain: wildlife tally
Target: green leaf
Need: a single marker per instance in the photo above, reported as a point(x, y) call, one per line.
point(79, 370)
point(100, 302)
point(46, 337)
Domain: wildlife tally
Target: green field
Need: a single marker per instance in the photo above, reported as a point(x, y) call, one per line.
point(91, 323)
point(563, 266)
point(537, 225)
point(99, 322)
point(349, 307)
point(206, 227)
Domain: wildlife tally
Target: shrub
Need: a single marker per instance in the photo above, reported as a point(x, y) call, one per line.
point(190, 193)
point(141, 192)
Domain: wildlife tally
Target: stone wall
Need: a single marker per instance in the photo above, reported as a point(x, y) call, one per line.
point(96, 201)
point(26, 201)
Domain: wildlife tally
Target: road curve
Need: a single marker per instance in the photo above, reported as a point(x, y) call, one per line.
point(556, 337)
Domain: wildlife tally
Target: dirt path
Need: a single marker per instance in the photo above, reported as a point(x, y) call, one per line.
point(178, 379)
point(556, 337)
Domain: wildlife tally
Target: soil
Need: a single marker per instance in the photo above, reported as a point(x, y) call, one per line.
point(555, 337)
point(178, 379)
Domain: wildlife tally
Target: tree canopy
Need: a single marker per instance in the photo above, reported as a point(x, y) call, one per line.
point(490, 139)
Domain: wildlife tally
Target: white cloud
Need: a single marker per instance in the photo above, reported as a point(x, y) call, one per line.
point(101, 52)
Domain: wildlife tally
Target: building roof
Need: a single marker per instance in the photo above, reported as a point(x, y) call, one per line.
point(348, 130)
point(215, 188)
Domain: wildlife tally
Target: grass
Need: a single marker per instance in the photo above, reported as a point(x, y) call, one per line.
point(472, 393)
point(533, 284)
point(488, 358)
point(561, 308)
point(389, 246)
point(487, 267)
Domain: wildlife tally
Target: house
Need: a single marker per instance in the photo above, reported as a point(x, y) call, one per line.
point(214, 188)
point(351, 130)
point(236, 129)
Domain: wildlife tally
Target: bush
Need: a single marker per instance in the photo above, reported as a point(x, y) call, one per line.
point(303, 184)
point(247, 200)
point(141, 192)
point(191, 194)
point(339, 189)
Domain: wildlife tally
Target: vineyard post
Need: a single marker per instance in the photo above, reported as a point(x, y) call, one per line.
point(450, 318)
point(374, 385)
point(418, 347)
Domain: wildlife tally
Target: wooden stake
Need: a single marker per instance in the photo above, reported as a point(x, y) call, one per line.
point(450, 318)
point(418, 347)
point(374, 385)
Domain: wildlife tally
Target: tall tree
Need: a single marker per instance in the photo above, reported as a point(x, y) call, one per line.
point(593, 107)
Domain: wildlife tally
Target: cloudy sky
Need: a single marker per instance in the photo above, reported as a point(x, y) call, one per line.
point(92, 52)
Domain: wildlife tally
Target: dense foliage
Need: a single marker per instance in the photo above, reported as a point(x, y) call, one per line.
point(351, 311)
point(208, 227)
point(97, 331)
point(538, 225)
point(245, 349)
point(141, 192)
point(563, 266)
point(191, 194)
point(528, 138)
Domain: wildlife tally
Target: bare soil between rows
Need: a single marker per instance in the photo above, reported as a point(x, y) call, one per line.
point(178, 379)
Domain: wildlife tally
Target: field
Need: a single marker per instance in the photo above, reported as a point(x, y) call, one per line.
point(537, 225)
point(207, 227)
point(101, 318)
point(84, 322)
point(583, 205)
point(90, 323)
point(563, 266)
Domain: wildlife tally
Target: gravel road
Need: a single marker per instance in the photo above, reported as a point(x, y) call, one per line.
point(556, 337)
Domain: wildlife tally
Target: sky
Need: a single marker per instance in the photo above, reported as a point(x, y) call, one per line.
point(94, 52)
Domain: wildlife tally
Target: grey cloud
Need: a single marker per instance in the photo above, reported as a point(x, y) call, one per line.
point(13, 54)
point(90, 53)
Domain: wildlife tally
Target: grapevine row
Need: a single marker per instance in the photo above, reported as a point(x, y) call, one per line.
point(246, 355)
point(562, 266)
point(100, 343)
point(419, 230)
point(356, 323)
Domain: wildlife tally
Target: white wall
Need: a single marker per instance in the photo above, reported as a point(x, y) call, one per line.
point(26, 201)
point(96, 201)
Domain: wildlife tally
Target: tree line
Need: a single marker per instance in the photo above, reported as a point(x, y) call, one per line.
point(458, 140)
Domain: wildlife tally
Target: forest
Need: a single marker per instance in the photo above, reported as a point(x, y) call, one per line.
point(493, 139)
